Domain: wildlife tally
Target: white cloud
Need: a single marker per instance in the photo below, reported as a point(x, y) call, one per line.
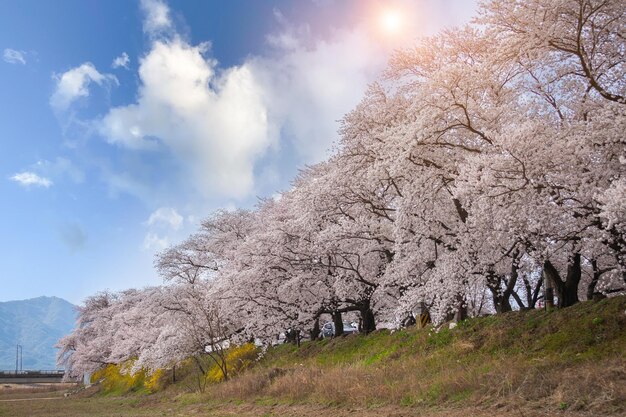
point(165, 216)
point(226, 127)
point(42, 173)
point(74, 84)
point(14, 57)
point(27, 179)
point(219, 125)
point(121, 61)
point(124, 182)
point(216, 124)
point(310, 87)
point(154, 242)
point(162, 225)
point(157, 17)
point(194, 220)
point(60, 168)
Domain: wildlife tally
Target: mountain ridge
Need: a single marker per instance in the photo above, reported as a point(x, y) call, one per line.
point(36, 324)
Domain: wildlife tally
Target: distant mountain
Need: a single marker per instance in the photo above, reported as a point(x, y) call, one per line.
point(36, 324)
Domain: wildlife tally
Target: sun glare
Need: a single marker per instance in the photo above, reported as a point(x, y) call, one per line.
point(391, 21)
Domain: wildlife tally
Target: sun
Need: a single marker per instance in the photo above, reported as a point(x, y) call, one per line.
point(391, 21)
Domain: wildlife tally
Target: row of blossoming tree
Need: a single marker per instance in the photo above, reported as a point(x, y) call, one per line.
point(483, 173)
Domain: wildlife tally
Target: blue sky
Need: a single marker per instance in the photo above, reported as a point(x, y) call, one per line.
point(124, 123)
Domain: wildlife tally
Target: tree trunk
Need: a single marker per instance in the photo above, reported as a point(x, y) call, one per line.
point(292, 336)
point(591, 288)
point(368, 321)
point(338, 323)
point(424, 317)
point(500, 297)
point(315, 331)
point(493, 283)
point(461, 310)
point(568, 292)
point(551, 276)
point(505, 305)
point(200, 376)
point(617, 244)
point(535, 295)
point(510, 286)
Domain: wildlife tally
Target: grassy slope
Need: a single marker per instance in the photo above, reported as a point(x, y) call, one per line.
point(565, 362)
point(571, 359)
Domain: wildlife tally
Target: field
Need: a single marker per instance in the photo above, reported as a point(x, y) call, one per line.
point(183, 406)
point(569, 362)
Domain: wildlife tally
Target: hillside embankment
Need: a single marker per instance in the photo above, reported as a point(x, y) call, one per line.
point(529, 363)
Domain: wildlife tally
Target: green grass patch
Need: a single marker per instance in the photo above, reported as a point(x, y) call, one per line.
point(562, 359)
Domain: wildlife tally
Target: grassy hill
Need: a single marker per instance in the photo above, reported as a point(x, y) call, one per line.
point(570, 359)
point(535, 363)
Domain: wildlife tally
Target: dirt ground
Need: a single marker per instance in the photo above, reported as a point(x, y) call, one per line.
point(53, 404)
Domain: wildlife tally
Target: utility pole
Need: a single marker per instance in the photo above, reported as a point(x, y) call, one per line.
point(18, 358)
point(548, 293)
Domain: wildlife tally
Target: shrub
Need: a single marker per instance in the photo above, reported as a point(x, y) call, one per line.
point(238, 359)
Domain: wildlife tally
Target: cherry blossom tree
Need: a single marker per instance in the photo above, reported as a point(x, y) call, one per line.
point(484, 171)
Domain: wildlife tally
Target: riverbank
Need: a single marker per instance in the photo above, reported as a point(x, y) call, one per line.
point(569, 362)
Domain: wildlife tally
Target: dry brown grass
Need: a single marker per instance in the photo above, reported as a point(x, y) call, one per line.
point(599, 387)
point(562, 363)
point(9, 391)
point(553, 360)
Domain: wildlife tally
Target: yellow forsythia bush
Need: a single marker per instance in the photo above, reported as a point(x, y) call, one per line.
point(156, 381)
point(117, 379)
point(238, 359)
